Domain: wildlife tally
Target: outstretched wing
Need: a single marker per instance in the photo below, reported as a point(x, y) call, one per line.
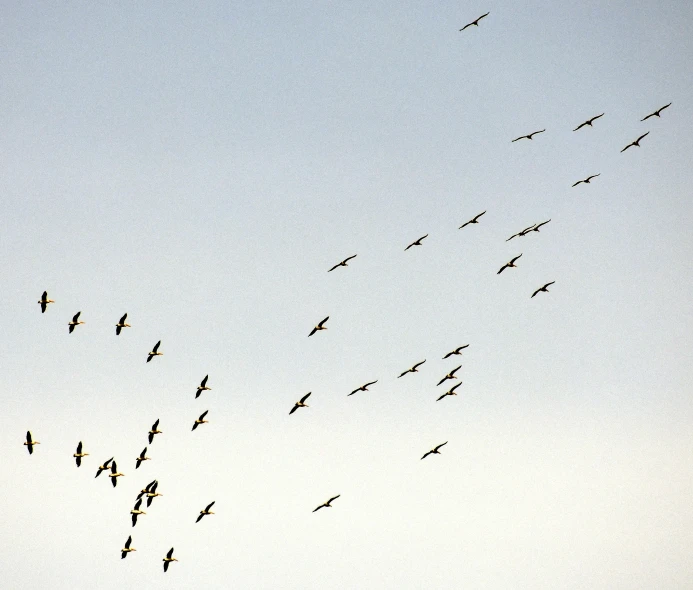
point(305, 397)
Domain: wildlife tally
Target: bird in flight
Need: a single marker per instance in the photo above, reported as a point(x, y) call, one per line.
point(544, 288)
point(450, 375)
point(587, 180)
point(151, 485)
point(657, 112)
point(635, 143)
point(416, 243)
point(320, 326)
point(127, 549)
point(44, 301)
point(301, 403)
point(450, 391)
point(136, 511)
point(205, 512)
point(342, 263)
point(202, 387)
point(363, 387)
point(588, 122)
point(121, 324)
point(474, 220)
point(168, 559)
point(510, 264)
point(79, 454)
point(528, 136)
point(103, 467)
point(152, 493)
point(29, 444)
point(154, 430)
point(538, 225)
point(458, 351)
point(200, 420)
point(434, 451)
point(142, 457)
point(114, 475)
point(414, 369)
point(474, 22)
point(155, 351)
point(327, 504)
point(75, 322)
point(524, 232)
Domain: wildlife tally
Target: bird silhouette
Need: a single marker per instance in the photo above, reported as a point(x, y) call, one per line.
point(450, 391)
point(587, 180)
point(636, 143)
point(510, 264)
point(474, 220)
point(300, 403)
point(434, 451)
point(588, 122)
point(474, 22)
point(414, 369)
point(656, 113)
point(528, 136)
point(327, 504)
point(342, 263)
point(320, 326)
point(416, 243)
point(363, 387)
point(544, 288)
point(458, 351)
point(450, 375)
point(44, 301)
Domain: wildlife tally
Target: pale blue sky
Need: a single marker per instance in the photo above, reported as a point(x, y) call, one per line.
point(201, 167)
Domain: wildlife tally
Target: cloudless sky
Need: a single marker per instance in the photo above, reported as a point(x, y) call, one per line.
point(201, 166)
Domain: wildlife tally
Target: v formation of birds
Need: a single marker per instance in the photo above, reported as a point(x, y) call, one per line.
point(150, 491)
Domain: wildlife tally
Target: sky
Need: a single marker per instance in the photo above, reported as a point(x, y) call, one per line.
point(201, 167)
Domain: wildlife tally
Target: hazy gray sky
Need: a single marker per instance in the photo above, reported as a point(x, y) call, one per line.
point(202, 166)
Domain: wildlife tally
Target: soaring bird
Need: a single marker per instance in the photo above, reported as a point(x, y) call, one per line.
point(416, 242)
point(200, 420)
point(457, 351)
point(544, 288)
point(44, 301)
point(79, 454)
point(474, 22)
point(450, 375)
point(528, 136)
point(300, 403)
point(657, 112)
point(147, 489)
point(29, 444)
point(136, 511)
point(510, 264)
point(114, 475)
point(587, 180)
point(473, 220)
point(588, 122)
point(142, 457)
point(414, 369)
point(154, 430)
point(434, 451)
point(152, 493)
point(202, 387)
point(121, 324)
point(342, 263)
point(205, 512)
point(103, 467)
point(125, 550)
point(538, 225)
point(524, 232)
point(168, 559)
point(363, 387)
point(320, 326)
point(450, 391)
point(75, 322)
point(155, 351)
point(327, 504)
point(636, 143)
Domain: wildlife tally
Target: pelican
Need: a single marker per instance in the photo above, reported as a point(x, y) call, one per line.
point(200, 420)
point(114, 474)
point(450, 391)
point(147, 489)
point(510, 264)
point(155, 351)
point(434, 451)
point(414, 369)
point(154, 430)
point(636, 143)
point(44, 301)
point(327, 504)
point(587, 180)
point(136, 511)
point(103, 467)
point(320, 326)
point(125, 550)
point(300, 403)
point(363, 387)
point(524, 232)
point(588, 122)
point(474, 220)
point(474, 22)
point(544, 288)
point(29, 444)
point(450, 375)
point(121, 324)
point(538, 225)
point(202, 387)
point(416, 243)
point(457, 351)
point(657, 112)
point(142, 457)
point(75, 322)
point(528, 136)
point(342, 263)
point(205, 512)
point(168, 559)
point(79, 454)
point(152, 493)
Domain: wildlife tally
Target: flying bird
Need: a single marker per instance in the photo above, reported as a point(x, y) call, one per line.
point(342, 263)
point(538, 225)
point(44, 301)
point(587, 180)
point(168, 559)
point(528, 136)
point(588, 122)
point(363, 387)
point(151, 485)
point(75, 322)
point(29, 444)
point(202, 387)
point(114, 475)
point(657, 112)
point(636, 143)
point(136, 511)
point(450, 375)
point(544, 288)
point(524, 232)
point(103, 467)
point(121, 324)
point(416, 243)
point(155, 351)
point(127, 549)
point(154, 430)
point(510, 264)
point(414, 369)
point(327, 504)
point(473, 220)
point(434, 451)
point(300, 403)
point(457, 351)
point(79, 454)
point(200, 420)
point(152, 493)
point(474, 22)
point(320, 326)
point(142, 457)
point(205, 512)
point(450, 391)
